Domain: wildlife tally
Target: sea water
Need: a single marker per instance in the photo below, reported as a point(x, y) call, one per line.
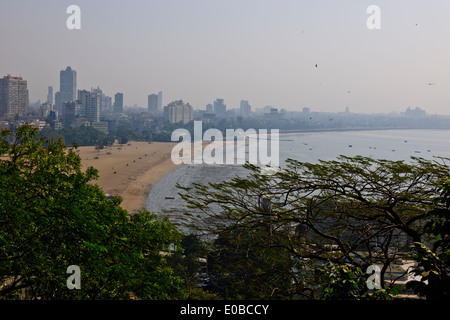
point(164, 196)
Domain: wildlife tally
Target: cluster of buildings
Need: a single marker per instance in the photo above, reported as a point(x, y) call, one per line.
point(71, 107)
point(66, 108)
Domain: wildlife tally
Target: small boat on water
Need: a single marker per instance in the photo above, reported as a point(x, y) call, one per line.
point(169, 198)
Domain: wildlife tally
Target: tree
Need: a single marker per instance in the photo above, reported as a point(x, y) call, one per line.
point(242, 268)
point(81, 136)
point(186, 264)
point(434, 263)
point(354, 211)
point(52, 217)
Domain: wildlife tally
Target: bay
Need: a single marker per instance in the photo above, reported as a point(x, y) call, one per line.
point(164, 199)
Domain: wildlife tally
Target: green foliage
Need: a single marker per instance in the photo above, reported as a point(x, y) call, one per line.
point(343, 282)
point(434, 263)
point(353, 211)
point(186, 264)
point(243, 269)
point(52, 217)
point(81, 136)
point(346, 282)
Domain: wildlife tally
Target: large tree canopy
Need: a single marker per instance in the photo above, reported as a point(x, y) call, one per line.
point(356, 211)
point(52, 217)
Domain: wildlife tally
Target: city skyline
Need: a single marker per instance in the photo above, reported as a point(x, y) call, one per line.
point(287, 54)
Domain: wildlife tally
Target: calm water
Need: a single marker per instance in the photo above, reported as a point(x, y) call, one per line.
point(307, 147)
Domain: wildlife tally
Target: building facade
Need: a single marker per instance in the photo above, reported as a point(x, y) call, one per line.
point(178, 111)
point(13, 96)
point(153, 103)
point(118, 103)
point(68, 84)
point(220, 108)
point(245, 109)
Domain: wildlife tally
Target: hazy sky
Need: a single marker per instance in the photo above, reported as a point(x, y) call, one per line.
point(256, 50)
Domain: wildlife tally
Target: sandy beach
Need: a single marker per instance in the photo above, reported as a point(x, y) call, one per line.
point(130, 170)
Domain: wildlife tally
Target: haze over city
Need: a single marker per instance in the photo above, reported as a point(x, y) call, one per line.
point(287, 54)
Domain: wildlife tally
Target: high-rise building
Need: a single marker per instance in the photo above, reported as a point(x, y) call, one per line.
point(178, 111)
point(13, 96)
point(93, 107)
point(245, 109)
point(83, 98)
point(209, 108)
point(90, 103)
point(50, 94)
point(160, 109)
point(69, 112)
point(67, 86)
point(220, 108)
point(118, 102)
point(153, 103)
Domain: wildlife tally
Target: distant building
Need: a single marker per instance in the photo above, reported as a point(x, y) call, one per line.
point(273, 114)
point(69, 112)
point(44, 110)
point(58, 100)
point(220, 108)
point(153, 103)
point(93, 107)
point(67, 87)
point(178, 111)
point(209, 108)
point(160, 103)
point(106, 105)
point(13, 96)
point(417, 112)
point(90, 105)
point(245, 109)
point(50, 94)
point(100, 126)
point(118, 103)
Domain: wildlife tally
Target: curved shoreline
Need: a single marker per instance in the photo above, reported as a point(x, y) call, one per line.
point(130, 170)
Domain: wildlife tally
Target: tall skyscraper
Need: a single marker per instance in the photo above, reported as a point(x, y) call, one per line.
point(13, 96)
point(83, 98)
point(50, 94)
point(153, 103)
point(118, 102)
point(160, 108)
point(245, 108)
point(93, 107)
point(67, 86)
point(220, 108)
